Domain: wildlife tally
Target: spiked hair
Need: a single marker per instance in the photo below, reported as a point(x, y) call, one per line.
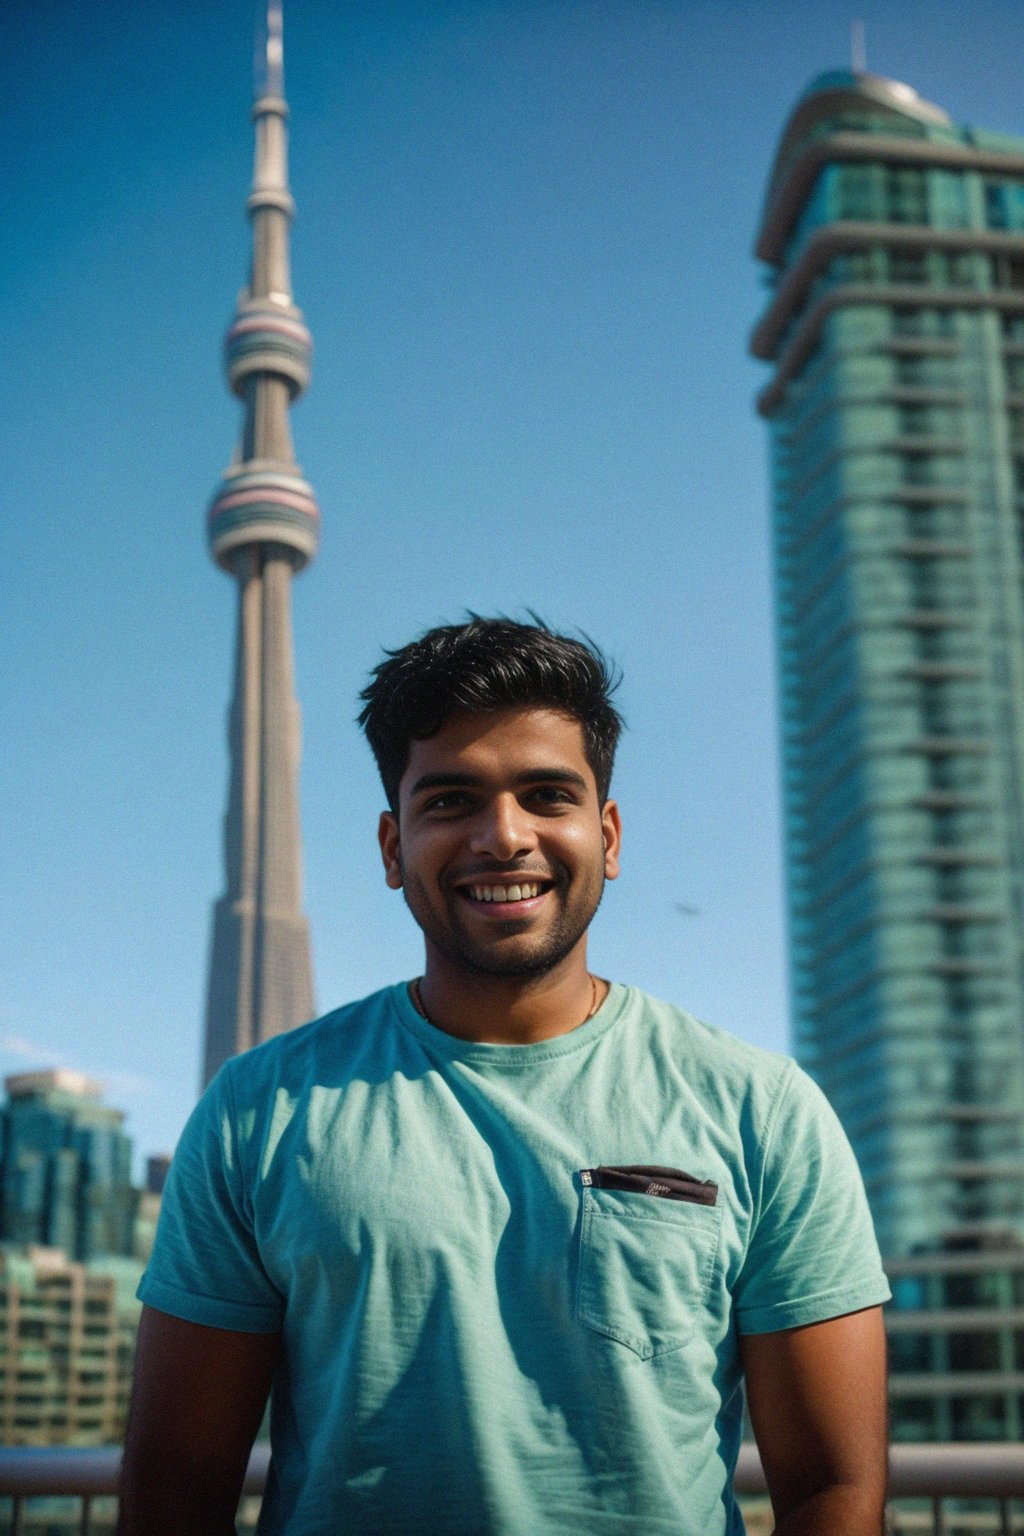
point(482, 666)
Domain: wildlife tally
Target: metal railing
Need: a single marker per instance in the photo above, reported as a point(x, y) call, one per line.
point(938, 1489)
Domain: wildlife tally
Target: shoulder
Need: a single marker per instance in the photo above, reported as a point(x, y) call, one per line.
point(758, 1099)
point(261, 1099)
point(327, 1050)
point(719, 1065)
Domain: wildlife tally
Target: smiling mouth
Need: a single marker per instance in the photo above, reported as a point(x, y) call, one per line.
point(507, 893)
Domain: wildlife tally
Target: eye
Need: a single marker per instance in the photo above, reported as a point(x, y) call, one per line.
point(450, 800)
point(551, 794)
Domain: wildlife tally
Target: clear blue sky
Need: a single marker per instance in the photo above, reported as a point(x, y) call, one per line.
point(523, 248)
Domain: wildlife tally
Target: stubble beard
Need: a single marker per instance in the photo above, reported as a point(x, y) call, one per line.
point(461, 950)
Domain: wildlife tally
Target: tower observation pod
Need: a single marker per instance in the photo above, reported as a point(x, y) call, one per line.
point(263, 526)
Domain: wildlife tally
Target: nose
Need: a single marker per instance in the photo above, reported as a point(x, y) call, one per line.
point(503, 830)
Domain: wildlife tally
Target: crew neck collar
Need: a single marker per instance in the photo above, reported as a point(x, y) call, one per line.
point(512, 1056)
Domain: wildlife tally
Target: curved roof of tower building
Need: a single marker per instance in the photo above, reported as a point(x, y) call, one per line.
point(838, 103)
point(840, 100)
point(875, 88)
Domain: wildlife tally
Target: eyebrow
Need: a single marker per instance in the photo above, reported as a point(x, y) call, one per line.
point(474, 781)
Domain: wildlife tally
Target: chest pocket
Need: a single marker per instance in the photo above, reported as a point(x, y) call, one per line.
point(645, 1268)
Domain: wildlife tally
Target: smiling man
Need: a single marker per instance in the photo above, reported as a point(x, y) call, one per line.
point(507, 1239)
point(501, 845)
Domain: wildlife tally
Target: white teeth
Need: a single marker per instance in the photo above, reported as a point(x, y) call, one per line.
point(504, 892)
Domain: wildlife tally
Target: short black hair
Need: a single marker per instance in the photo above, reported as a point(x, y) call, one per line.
point(481, 666)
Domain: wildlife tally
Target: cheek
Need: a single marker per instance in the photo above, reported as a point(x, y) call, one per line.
point(421, 859)
point(580, 846)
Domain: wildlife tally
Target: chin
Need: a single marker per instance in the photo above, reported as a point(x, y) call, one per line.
point(523, 963)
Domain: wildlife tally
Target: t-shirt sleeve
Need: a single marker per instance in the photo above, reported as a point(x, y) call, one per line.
point(812, 1252)
point(205, 1266)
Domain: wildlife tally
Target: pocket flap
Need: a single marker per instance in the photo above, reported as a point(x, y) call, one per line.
point(649, 1179)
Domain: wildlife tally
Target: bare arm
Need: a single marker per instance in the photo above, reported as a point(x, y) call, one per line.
point(818, 1406)
point(198, 1399)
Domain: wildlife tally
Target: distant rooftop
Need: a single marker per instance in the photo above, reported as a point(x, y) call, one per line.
point(841, 92)
point(838, 115)
point(886, 93)
point(22, 1085)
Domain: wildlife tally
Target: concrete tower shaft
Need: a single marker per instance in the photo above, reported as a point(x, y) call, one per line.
point(262, 528)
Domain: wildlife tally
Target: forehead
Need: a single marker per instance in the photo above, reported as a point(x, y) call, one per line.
point(504, 744)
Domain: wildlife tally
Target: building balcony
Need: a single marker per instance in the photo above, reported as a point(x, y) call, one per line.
point(953, 1319)
point(947, 854)
point(964, 965)
point(963, 912)
point(918, 394)
point(933, 549)
point(932, 618)
point(910, 345)
point(804, 332)
point(943, 671)
point(842, 236)
point(950, 746)
point(794, 177)
point(991, 1474)
point(948, 1383)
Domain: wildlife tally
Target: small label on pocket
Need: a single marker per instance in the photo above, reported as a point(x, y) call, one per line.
point(661, 1183)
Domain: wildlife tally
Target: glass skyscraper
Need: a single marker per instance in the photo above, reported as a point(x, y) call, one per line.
point(65, 1167)
point(894, 250)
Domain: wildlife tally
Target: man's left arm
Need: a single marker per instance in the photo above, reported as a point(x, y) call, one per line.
point(817, 1401)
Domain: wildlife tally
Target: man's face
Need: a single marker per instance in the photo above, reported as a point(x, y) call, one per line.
point(500, 845)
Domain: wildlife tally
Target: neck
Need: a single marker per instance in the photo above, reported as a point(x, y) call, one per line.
point(508, 1010)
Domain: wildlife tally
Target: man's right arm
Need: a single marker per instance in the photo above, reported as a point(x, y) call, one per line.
point(197, 1403)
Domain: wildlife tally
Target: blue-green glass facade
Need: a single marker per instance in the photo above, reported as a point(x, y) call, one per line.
point(65, 1168)
point(894, 246)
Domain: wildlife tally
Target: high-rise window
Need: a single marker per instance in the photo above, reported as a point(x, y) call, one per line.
point(906, 195)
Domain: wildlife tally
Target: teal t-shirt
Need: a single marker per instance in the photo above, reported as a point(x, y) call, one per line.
point(477, 1341)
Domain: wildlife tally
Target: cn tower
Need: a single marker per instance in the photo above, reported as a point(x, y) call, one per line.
point(263, 528)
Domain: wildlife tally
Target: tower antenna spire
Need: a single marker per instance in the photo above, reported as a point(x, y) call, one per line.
point(270, 56)
point(263, 526)
point(858, 48)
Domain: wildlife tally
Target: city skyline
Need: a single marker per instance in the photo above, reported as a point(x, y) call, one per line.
point(524, 247)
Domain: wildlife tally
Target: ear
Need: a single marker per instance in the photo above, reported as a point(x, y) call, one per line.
point(390, 849)
point(611, 825)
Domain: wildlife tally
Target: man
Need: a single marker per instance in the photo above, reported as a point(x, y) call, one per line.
point(505, 1239)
